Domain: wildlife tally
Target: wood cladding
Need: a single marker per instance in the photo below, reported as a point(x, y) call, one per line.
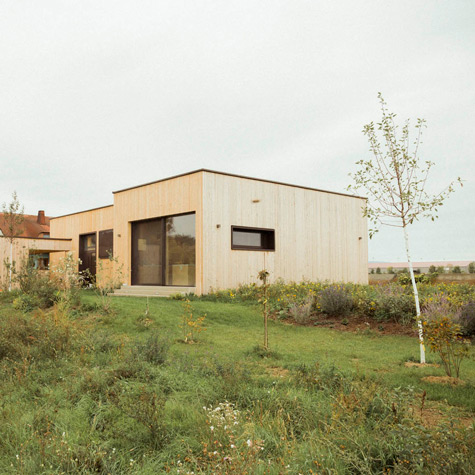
point(318, 235)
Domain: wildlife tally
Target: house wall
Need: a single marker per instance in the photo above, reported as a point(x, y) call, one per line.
point(21, 248)
point(177, 195)
point(72, 225)
point(319, 235)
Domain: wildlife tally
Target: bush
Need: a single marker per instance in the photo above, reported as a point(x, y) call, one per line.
point(467, 318)
point(393, 304)
point(155, 349)
point(444, 335)
point(38, 291)
point(335, 300)
point(302, 313)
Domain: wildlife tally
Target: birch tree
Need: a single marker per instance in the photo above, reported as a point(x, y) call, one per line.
point(13, 218)
point(395, 179)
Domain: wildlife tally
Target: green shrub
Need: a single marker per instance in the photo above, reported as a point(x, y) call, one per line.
point(155, 349)
point(394, 304)
point(38, 290)
point(443, 334)
point(467, 318)
point(302, 313)
point(335, 300)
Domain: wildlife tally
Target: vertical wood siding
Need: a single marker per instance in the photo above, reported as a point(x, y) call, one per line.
point(317, 234)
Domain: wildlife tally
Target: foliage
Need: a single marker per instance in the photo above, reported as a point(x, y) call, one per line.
point(13, 219)
point(395, 179)
point(83, 397)
point(37, 290)
point(263, 275)
point(335, 300)
point(405, 278)
point(108, 278)
point(390, 270)
point(392, 303)
point(467, 318)
point(191, 325)
point(456, 270)
point(155, 349)
point(471, 268)
point(302, 313)
point(444, 334)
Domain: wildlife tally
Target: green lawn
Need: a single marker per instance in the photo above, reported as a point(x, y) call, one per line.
point(90, 392)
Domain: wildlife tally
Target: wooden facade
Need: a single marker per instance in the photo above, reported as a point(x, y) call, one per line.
point(319, 235)
point(22, 247)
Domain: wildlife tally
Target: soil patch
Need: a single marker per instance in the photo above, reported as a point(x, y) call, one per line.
point(412, 364)
point(444, 380)
point(277, 371)
point(358, 324)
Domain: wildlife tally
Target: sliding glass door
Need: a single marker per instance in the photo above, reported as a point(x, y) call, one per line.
point(163, 251)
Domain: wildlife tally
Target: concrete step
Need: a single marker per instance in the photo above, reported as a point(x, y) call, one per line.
point(150, 291)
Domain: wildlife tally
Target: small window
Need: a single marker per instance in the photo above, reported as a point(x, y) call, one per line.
point(254, 239)
point(106, 241)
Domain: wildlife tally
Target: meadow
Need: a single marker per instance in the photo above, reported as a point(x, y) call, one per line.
point(110, 387)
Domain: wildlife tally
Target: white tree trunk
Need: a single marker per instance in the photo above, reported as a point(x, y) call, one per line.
point(416, 298)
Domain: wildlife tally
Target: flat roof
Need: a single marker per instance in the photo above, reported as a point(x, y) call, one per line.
point(238, 176)
point(83, 211)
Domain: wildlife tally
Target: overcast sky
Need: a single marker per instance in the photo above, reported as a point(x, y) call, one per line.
point(100, 95)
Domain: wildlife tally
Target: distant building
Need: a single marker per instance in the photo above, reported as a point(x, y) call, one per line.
point(33, 242)
point(422, 266)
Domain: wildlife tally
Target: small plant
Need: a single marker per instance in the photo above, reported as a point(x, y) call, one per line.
point(191, 325)
point(264, 298)
point(467, 318)
point(302, 313)
point(444, 335)
point(335, 300)
point(394, 304)
point(155, 349)
point(108, 278)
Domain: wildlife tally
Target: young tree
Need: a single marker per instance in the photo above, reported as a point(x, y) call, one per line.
point(13, 219)
point(395, 180)
point(263, 276)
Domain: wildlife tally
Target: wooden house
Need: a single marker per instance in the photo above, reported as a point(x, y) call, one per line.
point(208, 230)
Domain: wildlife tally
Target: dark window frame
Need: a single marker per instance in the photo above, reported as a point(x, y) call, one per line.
point(164, 250)
point(269, 231)
point(101, 252)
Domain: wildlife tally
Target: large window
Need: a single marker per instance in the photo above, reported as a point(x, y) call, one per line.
point(163, 251)
point(253, 239)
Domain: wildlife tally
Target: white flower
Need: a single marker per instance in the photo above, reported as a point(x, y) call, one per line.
point(249, 443)
point(212, 428)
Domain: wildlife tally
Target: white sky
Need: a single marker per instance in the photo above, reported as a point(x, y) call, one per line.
point(100, 95)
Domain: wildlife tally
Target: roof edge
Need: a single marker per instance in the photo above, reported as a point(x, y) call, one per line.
point(206, 170)
point(84, 211)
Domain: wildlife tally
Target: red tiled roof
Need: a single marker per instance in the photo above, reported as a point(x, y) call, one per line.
point(29, 227)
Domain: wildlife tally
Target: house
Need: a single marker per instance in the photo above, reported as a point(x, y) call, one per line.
point(31, 241)
point(206, 230)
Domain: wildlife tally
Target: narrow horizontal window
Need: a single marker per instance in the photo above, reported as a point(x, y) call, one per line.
point(106, 243)
point(253, 239)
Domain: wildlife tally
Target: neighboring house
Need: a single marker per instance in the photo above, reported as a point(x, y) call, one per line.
point(422, 266)
point(207, 230)
point(33, 241)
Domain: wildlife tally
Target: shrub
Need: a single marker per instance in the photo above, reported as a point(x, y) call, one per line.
point(471, 268)
point(467, 318)
point(302, 313)
point(155, 349)
point(393, 304)
point(444, 335)
point(37, 290)
point(456, 270)
point(335, 300)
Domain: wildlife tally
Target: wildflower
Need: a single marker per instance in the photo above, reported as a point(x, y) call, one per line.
point(249, 443)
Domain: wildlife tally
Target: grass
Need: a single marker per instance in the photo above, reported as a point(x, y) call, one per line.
point(118, 393)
